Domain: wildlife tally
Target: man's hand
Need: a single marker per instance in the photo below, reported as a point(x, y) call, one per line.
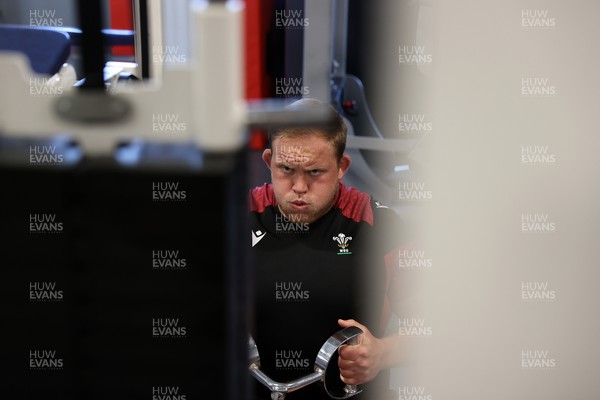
point(361, 362)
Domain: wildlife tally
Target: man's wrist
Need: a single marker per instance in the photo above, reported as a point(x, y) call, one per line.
point(389, 346)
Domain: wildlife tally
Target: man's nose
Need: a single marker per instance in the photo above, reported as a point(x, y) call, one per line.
point(300, 185)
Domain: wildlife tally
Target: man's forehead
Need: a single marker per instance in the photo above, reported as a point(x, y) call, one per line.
point(293, 154)
point(294, 147)
point(306, 143)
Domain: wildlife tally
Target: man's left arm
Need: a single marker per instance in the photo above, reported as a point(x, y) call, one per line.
point(363, 361)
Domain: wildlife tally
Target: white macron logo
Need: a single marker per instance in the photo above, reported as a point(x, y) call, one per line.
point(257, 237)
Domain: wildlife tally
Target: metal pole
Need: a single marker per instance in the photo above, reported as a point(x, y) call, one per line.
point(92, 43)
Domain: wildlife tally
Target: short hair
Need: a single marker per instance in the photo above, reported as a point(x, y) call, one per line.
point(335, 133)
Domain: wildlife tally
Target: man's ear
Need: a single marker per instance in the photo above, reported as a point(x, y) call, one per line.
point(343, 165)
point(266, 156)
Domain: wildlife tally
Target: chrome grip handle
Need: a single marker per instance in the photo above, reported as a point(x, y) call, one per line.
point(351, 390)
point(345, 336)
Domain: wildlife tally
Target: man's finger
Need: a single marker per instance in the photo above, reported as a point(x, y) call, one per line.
point(349, 380)
point(346, 364)
point(345, 323)
point(349, 352)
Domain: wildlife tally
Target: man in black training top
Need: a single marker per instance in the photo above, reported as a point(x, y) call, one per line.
point(324, 257)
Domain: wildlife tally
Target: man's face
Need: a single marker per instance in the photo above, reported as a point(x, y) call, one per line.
point(305, 174)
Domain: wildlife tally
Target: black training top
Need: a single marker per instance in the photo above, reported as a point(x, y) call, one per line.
point(307, 276)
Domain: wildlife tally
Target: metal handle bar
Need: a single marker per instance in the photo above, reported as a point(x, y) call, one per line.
point(330, 347)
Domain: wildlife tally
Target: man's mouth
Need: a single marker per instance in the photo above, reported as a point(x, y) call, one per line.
point(299, 204)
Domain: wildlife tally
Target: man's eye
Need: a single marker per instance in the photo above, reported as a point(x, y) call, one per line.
point(315, 171)
point(285, 168)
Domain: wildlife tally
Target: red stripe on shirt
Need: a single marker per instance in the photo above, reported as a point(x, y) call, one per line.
point(353, 203)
